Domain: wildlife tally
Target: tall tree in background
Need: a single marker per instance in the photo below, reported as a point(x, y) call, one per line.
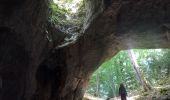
point(139, 75)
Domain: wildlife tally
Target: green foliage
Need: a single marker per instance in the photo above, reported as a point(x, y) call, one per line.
point(63, 18)
point(158, 93)
point(154, 63)
point(112, 73)
point(145, 94)
point(165, 80)
point(163, 91)
point(57, 14)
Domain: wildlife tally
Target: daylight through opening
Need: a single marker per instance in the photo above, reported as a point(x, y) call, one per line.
point(144, 72)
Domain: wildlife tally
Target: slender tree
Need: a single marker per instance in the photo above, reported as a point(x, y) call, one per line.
point(97, 85)
point(139, 75)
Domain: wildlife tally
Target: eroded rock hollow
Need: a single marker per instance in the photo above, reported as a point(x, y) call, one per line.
point(32, 68)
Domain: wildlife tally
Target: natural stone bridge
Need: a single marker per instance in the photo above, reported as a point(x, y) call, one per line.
point(32, 69)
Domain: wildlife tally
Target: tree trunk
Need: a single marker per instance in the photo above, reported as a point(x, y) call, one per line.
point(139, 75)
point(113, 89)
point(97, 85)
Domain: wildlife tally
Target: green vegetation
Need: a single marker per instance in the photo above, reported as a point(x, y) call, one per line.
point(157, 93)
point(64, 15)
point(154, 70)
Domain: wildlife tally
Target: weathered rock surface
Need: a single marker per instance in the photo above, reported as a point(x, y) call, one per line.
point(30, 67)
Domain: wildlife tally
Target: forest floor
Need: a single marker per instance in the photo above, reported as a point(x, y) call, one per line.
point(90, 97)
point(157, 93)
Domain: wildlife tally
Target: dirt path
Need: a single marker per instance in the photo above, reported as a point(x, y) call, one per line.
point(165, 89)
point(155, 93)
point(128, 98)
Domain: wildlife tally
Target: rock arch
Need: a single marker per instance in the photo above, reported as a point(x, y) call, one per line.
point(124, 24)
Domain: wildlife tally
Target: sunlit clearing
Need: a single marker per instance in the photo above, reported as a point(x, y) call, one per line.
point(144, 73)
point(71, 5)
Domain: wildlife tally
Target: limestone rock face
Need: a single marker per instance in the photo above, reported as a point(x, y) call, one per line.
point(23, 46)
point(31, 68)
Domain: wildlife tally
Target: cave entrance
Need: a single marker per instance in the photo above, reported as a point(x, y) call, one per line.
point(153, 66)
